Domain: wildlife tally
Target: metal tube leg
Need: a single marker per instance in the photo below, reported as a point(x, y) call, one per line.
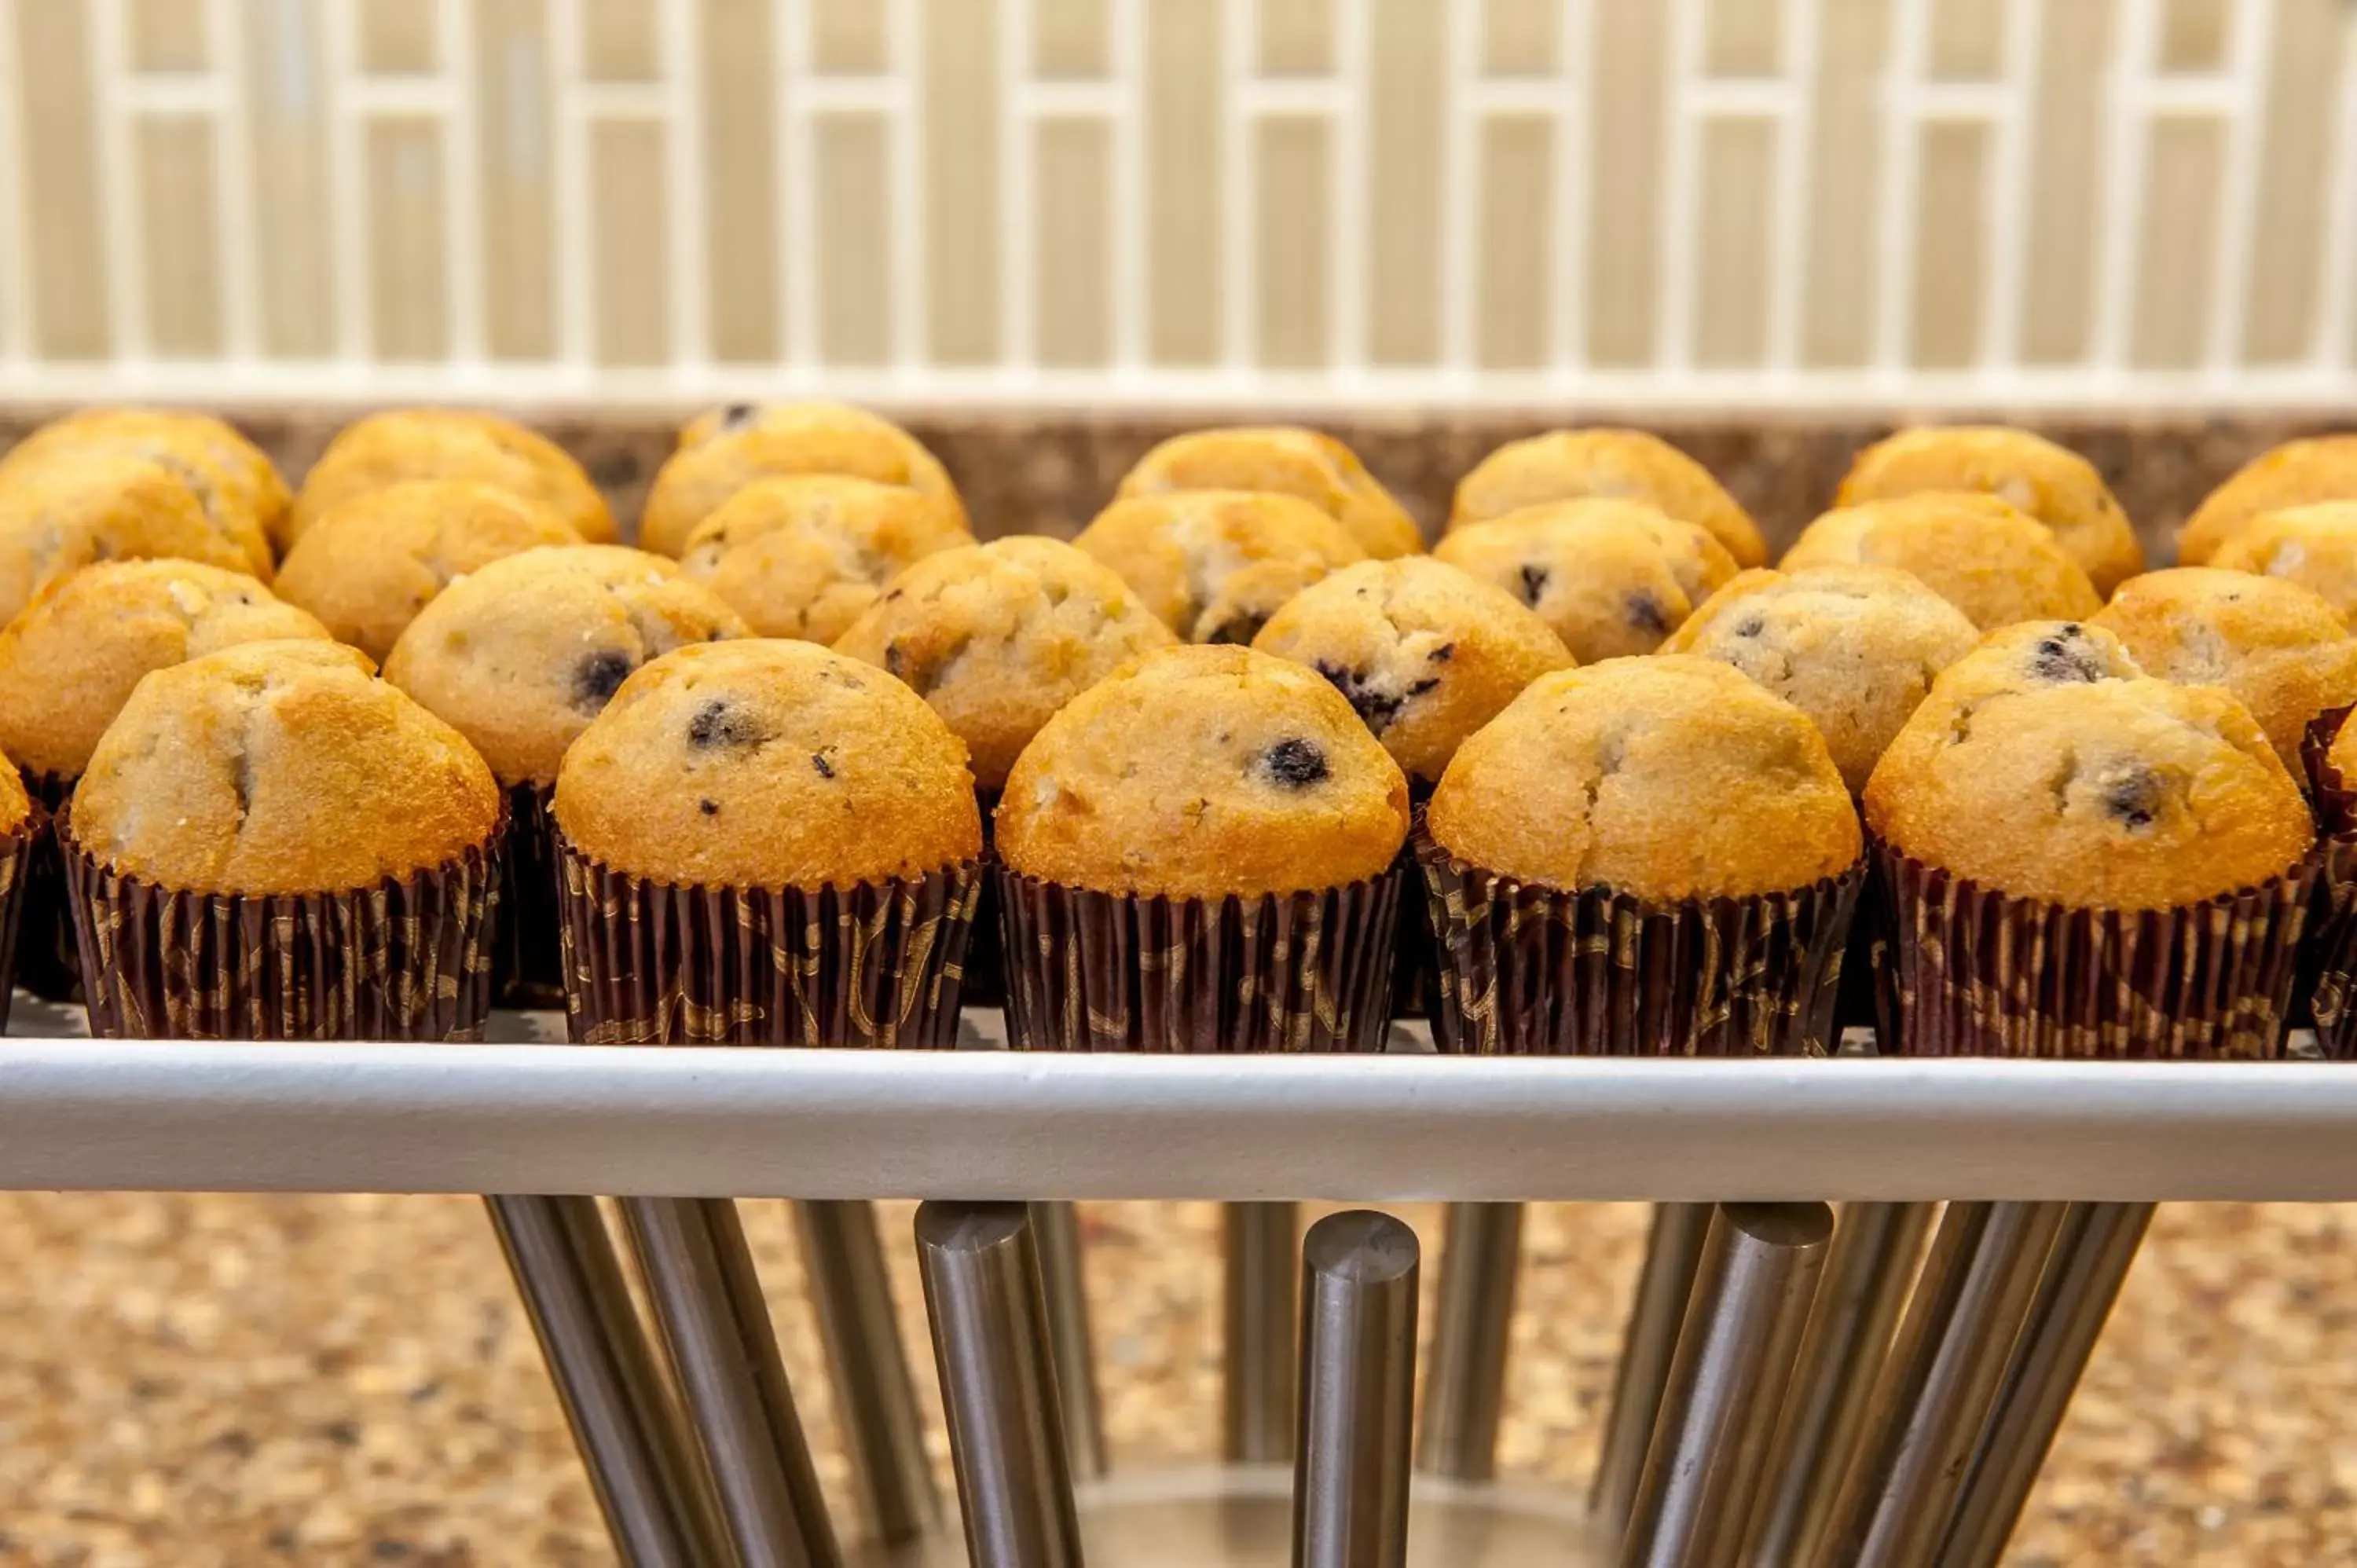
point(1751, 1298)
point(1867, 1272)
point(1671, 1254)
point(1358, 1361)
point(1936, 1392)
point(1056, 1231)
point(874, 1397)
point(991, 1343)
point(707, 1301)
point(1262, 1250)
point(2093, 1253)
point(1465, 1387)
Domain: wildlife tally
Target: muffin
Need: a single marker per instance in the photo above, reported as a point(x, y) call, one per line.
point(2295, 474)
point(803, 555)
point(271, 843)
point(519, 657)
point(720, 454)
point(75, 506)
point(1682, 845)
point(1289, 460)
point(764, 842)
point(2033, 474)
point(456, 445)
point(367, 568)
point(2314, 546)
point(1610, 577)
point(1197, 855)
point(1632, 465)
point(2284, 652)
point(22, 824)
point(1215, 564)
point(1997, 564)
point(232, 475)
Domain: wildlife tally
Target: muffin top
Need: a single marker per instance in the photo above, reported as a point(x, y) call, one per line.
point(16, 801)
point(721, 453)
point(2320, 468)
point(1201, 772)
point(1611, 577)
point(2046, 765)
point(1215, 564)
point(1664, 779)
point(1566, 465)
point(69, 663)
point(411, 443)
point(74, 506)
point(1289, 460)
point(801, 556)
point(279, 767)
point(2050, 482)
point(1855, 647)
point(1424, 652)
point(997, 637)
point(768, 764)
point(2313, 545)
point(521, 655)
point(367, 567)
point(232, 475)
point(2277, 646)
point(1995, 562)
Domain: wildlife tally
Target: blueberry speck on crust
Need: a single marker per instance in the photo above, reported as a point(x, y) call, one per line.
point(1750, 625)
point(597, 677)
point(1376, 708)
point(717, 725)
point(1443, 654)
point(2133, 798)
point(1295, 764)
point(1534, 582)
point(1645, 613)
point(2063, 660)
point(737, 416)
point(819, 761)
point(709, 808)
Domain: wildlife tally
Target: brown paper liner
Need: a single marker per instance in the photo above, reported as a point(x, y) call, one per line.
point(876, 964)
point(985, 953)
point(1283, 971)
point(1416, 981)
point(2328, 982)
point(408, 959)
point(1532, 971)
point(528, 960)
point(48, 963)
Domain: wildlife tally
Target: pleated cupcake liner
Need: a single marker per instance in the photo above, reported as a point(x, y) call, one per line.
point(876, 964)
point(1416, 983)
point(528, 965)
point(407, 959)
point(985, 953)
point(1534, 971)
point(49, 963)
point(2326, 991)
point(1283, 971)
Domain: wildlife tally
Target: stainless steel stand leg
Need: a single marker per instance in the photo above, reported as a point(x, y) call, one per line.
point(1672, 1253)
point(1742, 1334)
point(1869, 1271)
point(1358, 1388)
point(1262, 1249)
point(2093, 1251)
point(1936, 1392)
point(1465, 1386)
point(707, 1300)
point(999, 1384)
point(874, 1397)
point(1056, 1231)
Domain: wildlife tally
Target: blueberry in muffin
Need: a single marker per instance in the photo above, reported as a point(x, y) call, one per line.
point(1610, 577)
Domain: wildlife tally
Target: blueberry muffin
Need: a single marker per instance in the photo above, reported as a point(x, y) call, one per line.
point(804, 555)
point(1289, 460)
point(1611, 577)
point(1215, 564)
point(232, 475)
point(2314, 546)
point(367, 568)
point(2035, 476)
point(720, 454)
point(1995, 562)
point(1855, 647)
point(1632, 465)
point(454, 444)
point(72, 507)
point(2318, 469)
point(22, 827)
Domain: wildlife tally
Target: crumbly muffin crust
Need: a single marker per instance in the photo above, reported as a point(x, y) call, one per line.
point(1289, 460)
point(1215, 564)
point(2295, 474)
point(74, 507)
point(241, 490)
point(1997, 564)
point(2314, 546)
point(1634, 464)
point(407, 445)
point(721, 453)
point(1611, 577)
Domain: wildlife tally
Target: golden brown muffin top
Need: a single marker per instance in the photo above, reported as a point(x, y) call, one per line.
point(1215, 564)
point(803, 555)
point(1201, 772)
point(1634, 464)
point(997, 637)
point(2049, 482)
point(768, 764)
point(369, 565)
point(721, 453)
point(1611, 577)
point(69, 661)
point(412, 444)
point(2314, 546)
point(521, 655)
point(1289, 460)
point(2317, 469)
point(16, 801)
point(1425, 653)
point(2046, 765)
point(1992, 561)
point(236, 478)
point(73, 506)
point(279, 767)
point(1855, 647)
